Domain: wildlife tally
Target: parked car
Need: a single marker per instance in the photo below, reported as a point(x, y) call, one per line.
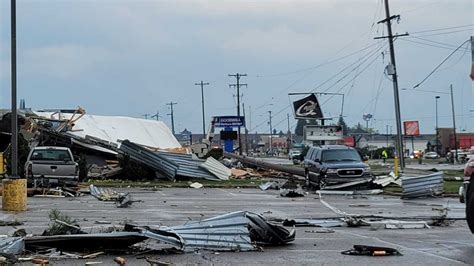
point(466, 192)
point(51, 166)
point(334, 164)
point(295, 156)
point(431, 155)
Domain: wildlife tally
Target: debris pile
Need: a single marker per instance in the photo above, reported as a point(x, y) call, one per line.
point(237, 231)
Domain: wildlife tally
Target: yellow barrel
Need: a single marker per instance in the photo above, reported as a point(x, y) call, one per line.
point(2, 164)
point(14, 195)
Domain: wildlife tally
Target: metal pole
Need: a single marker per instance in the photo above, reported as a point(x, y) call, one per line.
point(14, 117)
point(437, 133)
point(271, 133)
point(454, 125)
point(395, 88)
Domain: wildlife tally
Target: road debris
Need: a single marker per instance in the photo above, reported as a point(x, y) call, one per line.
point(122, 200)
point(397, 224)
point(120, 260)
point(327, 222)
point(196, 185)
point(362, 250)
point(423, 186)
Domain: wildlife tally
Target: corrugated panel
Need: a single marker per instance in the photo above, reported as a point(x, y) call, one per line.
point(144, 156)
point(422, 186)
point(187, 165)
point(171, 164)
point(217, 168)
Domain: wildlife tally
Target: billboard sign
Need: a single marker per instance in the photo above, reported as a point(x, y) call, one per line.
point(308, 108)
point(412, 128)
point(320, 133)
point(229, 121)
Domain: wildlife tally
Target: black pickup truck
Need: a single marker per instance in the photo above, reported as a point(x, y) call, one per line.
point(335, 164)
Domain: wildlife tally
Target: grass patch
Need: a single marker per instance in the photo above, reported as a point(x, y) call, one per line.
point(231, 183)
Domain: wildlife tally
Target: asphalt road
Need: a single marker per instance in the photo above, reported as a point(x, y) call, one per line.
point(451, 245)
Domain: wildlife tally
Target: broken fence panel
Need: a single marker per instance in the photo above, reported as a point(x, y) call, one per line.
point(422, 186)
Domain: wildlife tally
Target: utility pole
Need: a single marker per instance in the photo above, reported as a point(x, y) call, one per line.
point(202, 84)
point(14, 118)
point(237, 85)
point(246, 132)
point(157, 116)
point(146, 116)
point(393, 71)
point(289, 141)
point(454, 125)
point(172, 115)
point(437, 131)
point(271, 131)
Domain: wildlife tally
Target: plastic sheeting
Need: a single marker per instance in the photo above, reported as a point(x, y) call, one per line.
point(113, 129)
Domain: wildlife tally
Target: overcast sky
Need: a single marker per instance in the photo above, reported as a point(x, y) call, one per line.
point(132, 57)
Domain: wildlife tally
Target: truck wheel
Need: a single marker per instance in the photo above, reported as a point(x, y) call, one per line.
point(470, 205)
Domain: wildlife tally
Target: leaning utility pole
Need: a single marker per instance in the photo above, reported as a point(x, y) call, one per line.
point(202, 84)
point(271, 131)
point(454, 125)
point(237, 85)
point(157, 116)
point(172, 115)
point(393, 71)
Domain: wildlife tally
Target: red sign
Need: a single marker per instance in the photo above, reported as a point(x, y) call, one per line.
point(349, 141)
point(412, 128)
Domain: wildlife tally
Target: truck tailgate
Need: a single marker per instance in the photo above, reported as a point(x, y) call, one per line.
point(53, 168)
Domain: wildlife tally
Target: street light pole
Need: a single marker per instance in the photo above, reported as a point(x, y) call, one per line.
point(454, 124)
point(437, 133)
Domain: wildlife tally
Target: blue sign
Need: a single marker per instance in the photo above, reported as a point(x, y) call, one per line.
point(229, 121)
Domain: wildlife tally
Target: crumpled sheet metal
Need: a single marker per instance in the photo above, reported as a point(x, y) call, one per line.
point(12, 245)
point(216, 168)
point(236, 231)
point(105, 194)
point(422, 186)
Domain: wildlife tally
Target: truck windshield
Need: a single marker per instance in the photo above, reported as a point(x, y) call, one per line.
point(50, 155)
point(340, 156)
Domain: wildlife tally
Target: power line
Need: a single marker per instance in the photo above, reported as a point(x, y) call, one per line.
point(307, 74)
point(436, 68)
point(443, 33)
point(319, 65)
point(441, 29)
point(356, 76)
point(435, 45)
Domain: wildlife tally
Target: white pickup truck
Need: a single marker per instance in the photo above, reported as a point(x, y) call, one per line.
point(50, 165)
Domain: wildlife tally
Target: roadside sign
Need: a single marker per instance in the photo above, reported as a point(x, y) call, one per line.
point(322, 133)
point(412, 128)
point(308, 108)
point(229, 121)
